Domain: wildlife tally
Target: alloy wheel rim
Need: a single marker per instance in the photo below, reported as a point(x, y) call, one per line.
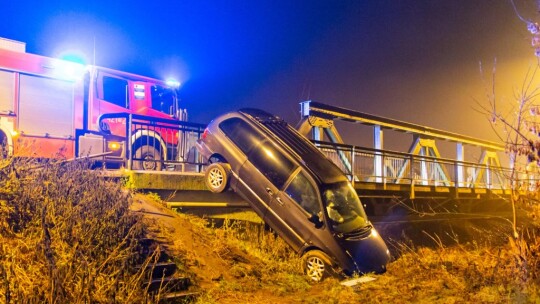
point(216, 178)
point(315, 268)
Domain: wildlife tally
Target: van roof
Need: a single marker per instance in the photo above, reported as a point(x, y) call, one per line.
point(313, 159)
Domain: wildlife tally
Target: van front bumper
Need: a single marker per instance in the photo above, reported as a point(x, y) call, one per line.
point(368, 254)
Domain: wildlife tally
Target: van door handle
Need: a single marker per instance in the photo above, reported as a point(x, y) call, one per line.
point(279, 201)
point(269, 191)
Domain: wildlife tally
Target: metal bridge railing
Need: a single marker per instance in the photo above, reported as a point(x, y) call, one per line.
point(389, 167)
point(157, 144)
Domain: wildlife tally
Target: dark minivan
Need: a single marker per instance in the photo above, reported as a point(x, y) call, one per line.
point(295, 189)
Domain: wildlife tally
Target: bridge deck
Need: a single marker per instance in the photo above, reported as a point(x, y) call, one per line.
point(366, 189)
point(192, 181)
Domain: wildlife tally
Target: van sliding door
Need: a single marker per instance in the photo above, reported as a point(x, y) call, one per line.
point(265, 172)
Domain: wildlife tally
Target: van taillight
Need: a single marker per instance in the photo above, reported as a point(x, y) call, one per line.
point(205, 133)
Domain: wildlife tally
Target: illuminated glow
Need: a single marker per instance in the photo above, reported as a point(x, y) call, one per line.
point(14, 133)
point(374, 233)
point(69, 70)
point(113, 145)
point(173, 83)
point(73, 58)
point(269, 153)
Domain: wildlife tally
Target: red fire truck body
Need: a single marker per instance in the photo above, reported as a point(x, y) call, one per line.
point(50, 107)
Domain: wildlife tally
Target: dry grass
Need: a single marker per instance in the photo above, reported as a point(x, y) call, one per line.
point(456, 274)
point(461, 275)
point(66, 236)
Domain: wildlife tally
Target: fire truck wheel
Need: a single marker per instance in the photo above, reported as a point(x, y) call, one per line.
point(3, 147)
point(147, 158)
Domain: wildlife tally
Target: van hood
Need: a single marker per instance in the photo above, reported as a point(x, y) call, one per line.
point(369, 254)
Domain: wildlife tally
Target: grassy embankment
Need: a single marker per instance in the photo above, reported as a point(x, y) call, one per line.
point(69, 236)
point(66, 236)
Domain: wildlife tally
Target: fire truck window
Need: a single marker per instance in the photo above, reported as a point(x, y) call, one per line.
point(115, 91)
point(163, 100)
point(7, 89)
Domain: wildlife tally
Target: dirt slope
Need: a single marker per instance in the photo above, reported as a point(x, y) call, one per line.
point(224, 272)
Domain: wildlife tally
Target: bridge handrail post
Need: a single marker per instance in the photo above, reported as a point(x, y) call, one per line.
point(129, 131)
point(457, 181)
point(411, 174)
point(353, 168)
point(383, 172)
point(488, 176)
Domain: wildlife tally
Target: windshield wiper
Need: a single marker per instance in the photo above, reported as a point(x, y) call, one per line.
point(360, 232)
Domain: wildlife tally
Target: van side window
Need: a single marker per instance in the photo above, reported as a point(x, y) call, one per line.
point(244, 136)
point(303, 193)
point(260, 152)
point(115, 91)
point(272, 164)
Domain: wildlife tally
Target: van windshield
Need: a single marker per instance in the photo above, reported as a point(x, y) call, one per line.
point(343, 208)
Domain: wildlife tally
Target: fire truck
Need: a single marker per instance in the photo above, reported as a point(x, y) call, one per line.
point(53, 108)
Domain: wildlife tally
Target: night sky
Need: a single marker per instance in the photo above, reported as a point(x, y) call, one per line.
point(412, 60)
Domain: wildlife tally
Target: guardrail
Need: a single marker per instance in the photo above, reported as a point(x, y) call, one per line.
point(390, 167)
point(157, 144)
point(165, 144)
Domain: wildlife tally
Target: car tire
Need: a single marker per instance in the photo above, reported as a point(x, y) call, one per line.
point(216, 177)
point(150, 159)
point(316, 265)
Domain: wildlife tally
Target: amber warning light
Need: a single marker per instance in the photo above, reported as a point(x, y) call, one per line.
point(113, 145)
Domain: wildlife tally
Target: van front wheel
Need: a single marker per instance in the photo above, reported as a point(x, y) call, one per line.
point(217, 177)
point(317, 265)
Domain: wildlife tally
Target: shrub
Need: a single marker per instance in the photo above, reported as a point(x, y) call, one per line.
point(66, 235)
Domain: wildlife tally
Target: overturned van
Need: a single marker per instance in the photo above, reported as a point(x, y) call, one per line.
point(297, 191)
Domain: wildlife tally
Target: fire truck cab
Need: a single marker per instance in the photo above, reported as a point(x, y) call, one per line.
point(51, 108)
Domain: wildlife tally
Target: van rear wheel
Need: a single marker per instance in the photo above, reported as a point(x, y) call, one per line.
point(317, 265)
point(217, 177)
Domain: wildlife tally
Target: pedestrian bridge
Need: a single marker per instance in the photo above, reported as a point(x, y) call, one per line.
point(419, 172)
point(416, 175)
